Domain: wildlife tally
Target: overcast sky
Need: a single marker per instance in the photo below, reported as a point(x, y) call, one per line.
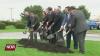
point(18, 5)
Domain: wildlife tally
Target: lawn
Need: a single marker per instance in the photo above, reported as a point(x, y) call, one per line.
point(11, 28)
point(21, 30)
point(92, 49)
point(93, 31)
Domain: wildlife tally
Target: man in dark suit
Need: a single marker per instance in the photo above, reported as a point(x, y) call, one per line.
point(79, 27)
point(58, 18)
point(33, 25)
point(48, 20)
point(66, 21)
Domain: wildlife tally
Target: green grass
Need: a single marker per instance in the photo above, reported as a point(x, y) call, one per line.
point(21, 30)
point(94, 31)
point(92, 49)
point(11, 28)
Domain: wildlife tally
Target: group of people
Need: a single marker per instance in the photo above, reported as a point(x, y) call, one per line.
point(54, 22)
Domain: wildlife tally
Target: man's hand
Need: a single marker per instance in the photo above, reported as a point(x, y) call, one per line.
point(47, 23)
point(33, 25)
point(61, 29)
point(49, 28)
point(69, 25)
point(41, 23)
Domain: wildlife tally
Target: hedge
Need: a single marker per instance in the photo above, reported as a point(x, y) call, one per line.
point(19, 25)
point(2, 25)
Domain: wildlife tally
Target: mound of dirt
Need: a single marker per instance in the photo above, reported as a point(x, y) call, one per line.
point(43, 46)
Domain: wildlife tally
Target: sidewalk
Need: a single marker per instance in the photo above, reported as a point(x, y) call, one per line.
point(20, 35)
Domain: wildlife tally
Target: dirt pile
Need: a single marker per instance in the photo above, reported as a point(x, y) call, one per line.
point(43, 46)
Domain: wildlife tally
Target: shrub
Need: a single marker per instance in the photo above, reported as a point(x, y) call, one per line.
point(19, 25)
point(10, 27)
point(2, 25)
point(8, 23)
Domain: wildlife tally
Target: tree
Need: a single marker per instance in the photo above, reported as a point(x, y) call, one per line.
point(85, 11)
point(37, 9)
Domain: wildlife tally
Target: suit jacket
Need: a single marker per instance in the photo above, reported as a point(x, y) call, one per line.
point(28, 22)
point(58, 18)
point(78, 21)
point(34, 21)
point(69, 22)
point(49, 18)
point(65, 20)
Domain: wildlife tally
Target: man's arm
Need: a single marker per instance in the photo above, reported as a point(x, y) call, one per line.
point(35, 21)
point(64, 20)
point(72, 22)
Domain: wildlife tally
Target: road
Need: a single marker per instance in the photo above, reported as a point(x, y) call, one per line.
point(20, 35)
